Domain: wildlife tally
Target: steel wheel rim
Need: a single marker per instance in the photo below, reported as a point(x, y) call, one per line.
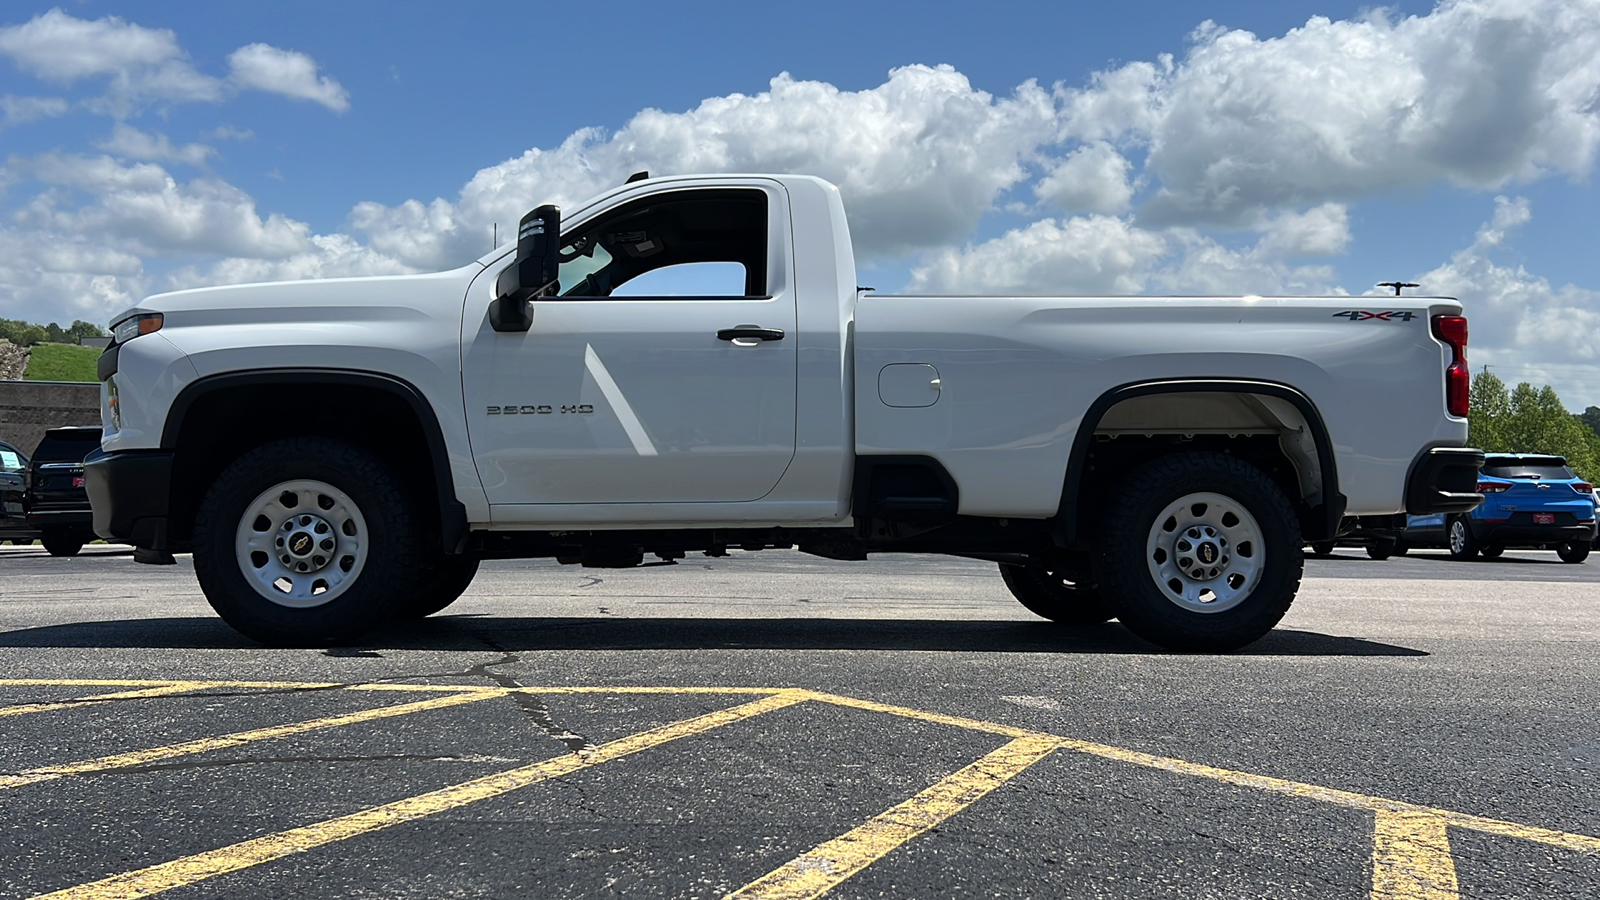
point(1205, 552)
point(272, 550)
point(1458, 537)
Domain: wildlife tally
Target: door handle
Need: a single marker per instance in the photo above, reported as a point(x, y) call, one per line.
point(749, 333)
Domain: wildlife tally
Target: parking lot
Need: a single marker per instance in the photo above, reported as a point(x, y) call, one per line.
point(773, 725)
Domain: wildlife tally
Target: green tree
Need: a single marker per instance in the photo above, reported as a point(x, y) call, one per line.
point(1491, 404)
point(1591, 418)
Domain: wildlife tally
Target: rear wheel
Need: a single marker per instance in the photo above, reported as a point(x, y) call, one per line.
point(1201, 553)
point(1462, 544)
point(444, 582)
point(1573, 551)
point(61, 543)
point(1052, 591)
point(304, 542)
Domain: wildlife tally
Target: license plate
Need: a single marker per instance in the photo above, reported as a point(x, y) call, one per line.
point(77, 481)
point(1544, 518)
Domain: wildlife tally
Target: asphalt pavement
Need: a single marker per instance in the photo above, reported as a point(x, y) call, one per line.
point(774, 725)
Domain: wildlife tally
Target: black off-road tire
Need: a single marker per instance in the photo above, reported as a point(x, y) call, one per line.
point(61, 543)
point(443, 583)
point(1144, 605)
point(1573, 551)
point(391, 562)
point(1045, 590)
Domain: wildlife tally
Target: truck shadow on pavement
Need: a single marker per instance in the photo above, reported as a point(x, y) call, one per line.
point(474, 633)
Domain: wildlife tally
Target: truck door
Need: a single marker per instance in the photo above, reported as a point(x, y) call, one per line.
point(664, 369)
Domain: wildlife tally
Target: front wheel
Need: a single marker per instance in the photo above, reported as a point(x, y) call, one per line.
point(1462, 544)
point(305, 541)
point(1573, 551)
point(1201, 552)
point(1052, 592)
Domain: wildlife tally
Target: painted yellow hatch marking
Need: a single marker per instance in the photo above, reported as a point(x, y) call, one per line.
point(823, 867)
point(177, 687)
point(1411, 858)
point(1411, 855)
point(204, 745)
point(243, 855)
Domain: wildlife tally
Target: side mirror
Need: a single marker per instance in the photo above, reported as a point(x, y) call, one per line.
point(533, 273)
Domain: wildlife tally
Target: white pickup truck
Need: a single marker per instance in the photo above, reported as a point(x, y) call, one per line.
point(687, 365)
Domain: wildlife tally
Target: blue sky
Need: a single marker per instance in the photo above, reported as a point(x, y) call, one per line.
point(1138, 147)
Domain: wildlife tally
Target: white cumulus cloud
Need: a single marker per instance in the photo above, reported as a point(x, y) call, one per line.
point(131, 143)
point(919, 160)
point(1093, 178)
point(1080, 255)
point(1530, 329)
point(263, 67)
point(1477, 93)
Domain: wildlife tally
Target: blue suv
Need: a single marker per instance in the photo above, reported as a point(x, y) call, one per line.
point(1529, 500)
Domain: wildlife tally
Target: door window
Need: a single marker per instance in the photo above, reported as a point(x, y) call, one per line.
point(706, 243)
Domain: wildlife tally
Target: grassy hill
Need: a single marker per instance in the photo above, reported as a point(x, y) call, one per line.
point(61, 362)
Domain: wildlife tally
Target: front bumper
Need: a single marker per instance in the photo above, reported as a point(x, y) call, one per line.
point(130, 492)
point(1444, 480)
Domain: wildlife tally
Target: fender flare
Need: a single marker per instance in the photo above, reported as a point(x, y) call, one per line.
point(452, 513)
point(1328, 513)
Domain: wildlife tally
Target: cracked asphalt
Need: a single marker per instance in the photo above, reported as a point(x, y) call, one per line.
point(777, 725)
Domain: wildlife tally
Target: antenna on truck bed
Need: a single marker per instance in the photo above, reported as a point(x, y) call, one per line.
point(1397, 285)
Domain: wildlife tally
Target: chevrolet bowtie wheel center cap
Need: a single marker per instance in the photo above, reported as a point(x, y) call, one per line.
point(305, 542)
point(1201, 553)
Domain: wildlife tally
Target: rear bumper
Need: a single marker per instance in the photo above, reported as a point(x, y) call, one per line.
point(1444, 480)
point(130, 492)
point(59, 518)
point(1504, 534)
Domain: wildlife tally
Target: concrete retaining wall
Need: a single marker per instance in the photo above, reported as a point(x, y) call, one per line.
point(27, 408)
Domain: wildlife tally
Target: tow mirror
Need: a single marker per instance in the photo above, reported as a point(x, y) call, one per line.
point(534, 272)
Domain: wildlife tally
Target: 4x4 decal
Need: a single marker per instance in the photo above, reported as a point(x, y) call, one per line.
point(1362, 315)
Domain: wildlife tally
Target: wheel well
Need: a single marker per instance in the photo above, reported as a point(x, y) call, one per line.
point(1273, 427)
point(221, 424)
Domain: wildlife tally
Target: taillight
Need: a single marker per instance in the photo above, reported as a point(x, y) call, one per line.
point(1583, 487)
point(1458, 378)
point(1492, 487)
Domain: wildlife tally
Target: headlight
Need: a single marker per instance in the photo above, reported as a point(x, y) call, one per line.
point(113, 403)
point(135, 325)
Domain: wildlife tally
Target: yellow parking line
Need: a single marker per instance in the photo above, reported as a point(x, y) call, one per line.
point(1566, 840)
point(925, 716)
point(176, 687)
point(1581, 843)
point(191, 869)
point(1411, 858)
point(148, 682)
point(825, 866)
point(203, 745)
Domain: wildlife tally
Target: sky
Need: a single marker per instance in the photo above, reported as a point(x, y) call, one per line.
point(1061, 147)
